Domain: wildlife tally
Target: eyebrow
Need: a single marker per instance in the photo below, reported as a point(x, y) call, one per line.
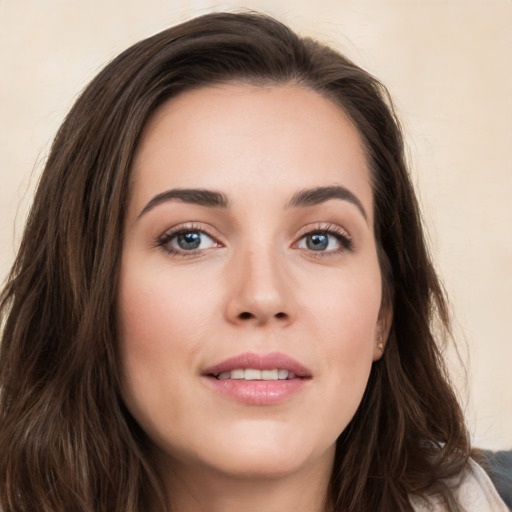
point(201, 197)
point(318, 195)
point(214, 199)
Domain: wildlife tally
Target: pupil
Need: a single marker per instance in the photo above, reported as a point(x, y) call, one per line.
point(189, 240)
point(317, 242)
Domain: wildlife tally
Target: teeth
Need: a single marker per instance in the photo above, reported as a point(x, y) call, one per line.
point(269, 374)
point(253, 374)
point(282, 374)
point(237, 374)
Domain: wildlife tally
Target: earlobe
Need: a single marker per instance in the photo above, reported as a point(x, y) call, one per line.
point(379, 348)
point(380, 344)
point(382, 332)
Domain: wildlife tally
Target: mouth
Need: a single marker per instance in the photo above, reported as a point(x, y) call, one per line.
point(252, 366)
point(257, 379)
point(255, 374)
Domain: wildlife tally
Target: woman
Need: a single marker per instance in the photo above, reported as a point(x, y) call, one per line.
point(223, 298)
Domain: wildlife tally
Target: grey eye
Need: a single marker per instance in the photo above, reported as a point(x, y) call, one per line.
point(188, 241)
point(317, 241)
point(320, 241)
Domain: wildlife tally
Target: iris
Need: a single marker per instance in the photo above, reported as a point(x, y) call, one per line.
point(317, 241)
point(188, 241)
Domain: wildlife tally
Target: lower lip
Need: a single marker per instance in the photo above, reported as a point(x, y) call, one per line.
point(257, 392)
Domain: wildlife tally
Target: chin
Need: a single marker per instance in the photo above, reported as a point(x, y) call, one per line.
point(259, 456)
point(263, 465)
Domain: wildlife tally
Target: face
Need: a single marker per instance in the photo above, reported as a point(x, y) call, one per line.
point(250, 292)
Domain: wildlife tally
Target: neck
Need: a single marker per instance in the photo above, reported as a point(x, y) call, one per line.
point(192, 489)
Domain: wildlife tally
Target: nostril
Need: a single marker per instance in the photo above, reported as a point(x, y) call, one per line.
point(246, 315)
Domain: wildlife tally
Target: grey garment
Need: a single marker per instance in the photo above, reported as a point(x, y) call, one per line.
point(498, 466)
point(473, 491)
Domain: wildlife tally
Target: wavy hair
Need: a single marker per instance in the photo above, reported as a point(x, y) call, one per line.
point(67, 441)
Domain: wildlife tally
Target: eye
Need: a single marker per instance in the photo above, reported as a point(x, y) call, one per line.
point(319, 242)
point(186, 240)
point(331, 240)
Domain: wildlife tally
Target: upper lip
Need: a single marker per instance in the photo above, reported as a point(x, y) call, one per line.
point(269, 361)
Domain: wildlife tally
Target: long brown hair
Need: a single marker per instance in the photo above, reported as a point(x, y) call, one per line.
point(66, 440)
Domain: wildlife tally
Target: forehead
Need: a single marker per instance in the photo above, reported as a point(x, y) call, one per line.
point(235, 136)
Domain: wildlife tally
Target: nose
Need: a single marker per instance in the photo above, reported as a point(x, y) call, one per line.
point(260, 290)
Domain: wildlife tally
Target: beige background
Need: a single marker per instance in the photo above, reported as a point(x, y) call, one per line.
point(448, 65)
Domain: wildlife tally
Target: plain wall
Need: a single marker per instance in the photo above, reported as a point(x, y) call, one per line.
point(448, 66)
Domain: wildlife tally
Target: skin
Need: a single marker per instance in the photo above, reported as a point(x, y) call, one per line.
point(253, 285)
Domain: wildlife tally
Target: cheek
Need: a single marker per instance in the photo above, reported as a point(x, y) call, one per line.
point(159, 311)
point(347, 309)
point(345, 318)
point(159, 321)
point(349, 345)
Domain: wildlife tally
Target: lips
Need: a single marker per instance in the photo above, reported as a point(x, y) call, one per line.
point(256, 379)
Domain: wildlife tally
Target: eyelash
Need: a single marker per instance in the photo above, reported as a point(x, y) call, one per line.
point(345, 241)
point(342, 237)
point(164, 241)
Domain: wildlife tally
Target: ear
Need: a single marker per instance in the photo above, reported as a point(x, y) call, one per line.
point(382, 329)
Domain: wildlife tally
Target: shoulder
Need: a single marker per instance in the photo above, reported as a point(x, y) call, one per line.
point(474, 492)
